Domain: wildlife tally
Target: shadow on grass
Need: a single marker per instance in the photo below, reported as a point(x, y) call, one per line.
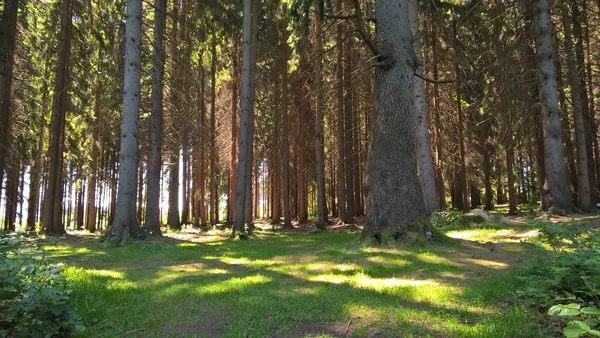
point(291, 286)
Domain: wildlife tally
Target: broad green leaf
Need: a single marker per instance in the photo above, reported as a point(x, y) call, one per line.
point(576, 329)
point(564, 310)
point(591, 311)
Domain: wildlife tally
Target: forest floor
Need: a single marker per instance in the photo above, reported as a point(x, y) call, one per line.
point(302, 283)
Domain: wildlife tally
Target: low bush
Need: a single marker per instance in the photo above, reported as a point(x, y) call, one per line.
point(34, 298)
point(568, 273)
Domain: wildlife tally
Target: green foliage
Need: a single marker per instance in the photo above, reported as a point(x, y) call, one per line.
point(570, 272)
point(587, 318)
point(34, 298)
point(452, 220)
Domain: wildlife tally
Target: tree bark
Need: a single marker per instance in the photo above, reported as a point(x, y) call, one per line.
point(125, 224)
point(554, 154)
point(394, 195)
point(52, 224)
point(319, 140)
point(583, 181)
point(423, 144)
point(285, 147)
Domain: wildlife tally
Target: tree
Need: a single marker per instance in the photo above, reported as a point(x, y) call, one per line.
point(423, 145)
point(394, 195)
point(583, 181)
point(247, 109)
point(125, 224)
point(553, 148)
point(319, 139)
point(152, 225)
point(52, 219)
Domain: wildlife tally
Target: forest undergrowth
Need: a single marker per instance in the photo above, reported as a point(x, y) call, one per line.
point(312, 283)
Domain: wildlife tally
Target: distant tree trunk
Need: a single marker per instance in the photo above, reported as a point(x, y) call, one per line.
point(234, 131)
point(125, 224)
point(285, 147)
point(423, 145)
point(275, 153)
point(343, 214)
point(588, 114)
point(51, 224)
point(487, 174)
point(319, 141)
point(152, 225)
point(348, 128)
point(202, 149)
point(90, 223)
point(214, 183)
point(8, 34)
point(583, 181)
point(441, 189)
point(554, 155)
point(394, 195)
point(510, 159)
point(304, 109)
point(173, 219)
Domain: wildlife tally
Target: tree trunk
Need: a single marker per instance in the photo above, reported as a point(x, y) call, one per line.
point(285, 147)
point(343, 214)
point(462, 175)
point(423, 145)
point(234, 132)
point(441, 189)
point(8, 34)
point(583, 181)
point(125, 224)
point(152, 225)
point(52, 224)
point(319, 140)
point(394, 195)
point(554, 154)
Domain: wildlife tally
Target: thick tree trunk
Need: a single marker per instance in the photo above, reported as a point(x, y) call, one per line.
point(52, 224)
point(423, 145)
point(348, 128)
point(125, 224)
point(583, 181)
point(394, 196)
point(554, 154)
point(214, 182)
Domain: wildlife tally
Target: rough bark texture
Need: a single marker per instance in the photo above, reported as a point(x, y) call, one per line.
point(125, 224)
point(394, 195)
point(423, 145)
point(156, 122)
point(556, 177)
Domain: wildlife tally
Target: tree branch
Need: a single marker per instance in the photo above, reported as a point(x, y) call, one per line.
point(360, 27)
point(426, 79)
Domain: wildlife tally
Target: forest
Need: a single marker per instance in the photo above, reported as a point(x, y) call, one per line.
point(369, 168)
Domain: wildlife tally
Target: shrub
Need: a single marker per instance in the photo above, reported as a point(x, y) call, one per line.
point(34, 298)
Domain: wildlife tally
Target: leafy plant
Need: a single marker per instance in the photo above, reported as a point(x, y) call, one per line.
point(34, 298)
point(584, 326)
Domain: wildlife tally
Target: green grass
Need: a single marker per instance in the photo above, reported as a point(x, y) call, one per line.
point(294, 284)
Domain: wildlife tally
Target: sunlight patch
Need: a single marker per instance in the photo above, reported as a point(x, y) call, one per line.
point(365, 281)
point(186, 267)
point(234, 284)
point(486, 263)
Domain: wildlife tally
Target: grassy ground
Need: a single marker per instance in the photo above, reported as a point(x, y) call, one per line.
point(299, 284)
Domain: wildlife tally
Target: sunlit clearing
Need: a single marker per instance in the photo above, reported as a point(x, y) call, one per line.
point(494, 235)
point(107, 273)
